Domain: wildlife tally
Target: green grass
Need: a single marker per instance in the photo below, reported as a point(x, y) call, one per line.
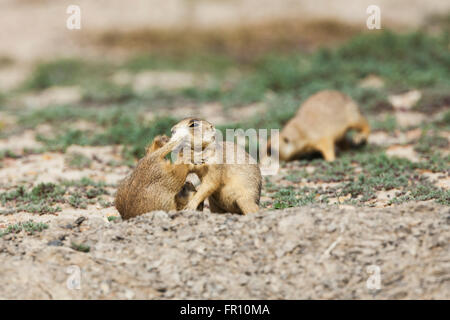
point(116, 127)
point(80, 247)
point(65, 72)
point(8, 154)
point(29, 227)
point(388, 124)
point(48, 197)
point(40, 199)
point(77, 160)
point(428, 143)
point(297, 197)
point(282, 81)
point(361, 175)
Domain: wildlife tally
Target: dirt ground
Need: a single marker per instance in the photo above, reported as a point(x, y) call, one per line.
point(300, 253)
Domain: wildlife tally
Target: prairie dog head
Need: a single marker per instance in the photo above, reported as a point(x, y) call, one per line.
point(292, 142)
point(194, 132)
point(185, 195)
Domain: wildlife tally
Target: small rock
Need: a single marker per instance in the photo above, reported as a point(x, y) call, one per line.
point(55, 243)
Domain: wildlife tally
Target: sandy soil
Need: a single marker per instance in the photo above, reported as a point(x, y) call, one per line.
point(300, 253)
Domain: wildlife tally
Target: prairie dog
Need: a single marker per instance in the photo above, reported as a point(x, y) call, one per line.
point(186, 193)
point(155, 183)
point(321, 121)
point(234, 188)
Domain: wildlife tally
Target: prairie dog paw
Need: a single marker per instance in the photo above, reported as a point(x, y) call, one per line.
point(161, 140)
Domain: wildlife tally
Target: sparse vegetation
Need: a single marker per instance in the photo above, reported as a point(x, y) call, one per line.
point(29, 227)
point(278, 82)
point(49, 197)
point(78, 160)
point(80, 247)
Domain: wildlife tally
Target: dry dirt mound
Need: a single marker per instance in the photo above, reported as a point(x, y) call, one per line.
point(309, 252)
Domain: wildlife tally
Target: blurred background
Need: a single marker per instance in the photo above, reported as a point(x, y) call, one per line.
point(33, 29)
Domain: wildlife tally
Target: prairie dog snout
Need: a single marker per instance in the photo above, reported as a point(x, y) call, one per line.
point(194, 132)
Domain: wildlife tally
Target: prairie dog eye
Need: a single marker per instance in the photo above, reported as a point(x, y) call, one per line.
point(286, 140)
point(193, 125)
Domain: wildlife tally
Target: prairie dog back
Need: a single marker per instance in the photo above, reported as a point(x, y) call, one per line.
point(154, 183)
point(321, 121)
point(327, 113)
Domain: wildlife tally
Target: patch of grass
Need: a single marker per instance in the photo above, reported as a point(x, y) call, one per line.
point(120, 128)
point(434, 99)
point(30, 227)
point(423, 192)
point(389, 124)
point(112, 218)
point(64, 72)
point(77, 160)
point(106, 92)
point(40, 199)
point(435, 162)
point(8, 154)
point(80, 247)
point(362, 175)
point(446, 118)
point(290, 197)
point(428, 143)
point(76, 200)
point(44, 197)
point(84, 182)
point(411, 60)
point(85, 191)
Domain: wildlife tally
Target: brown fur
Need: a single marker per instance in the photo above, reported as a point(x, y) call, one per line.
point(155, 184)
point(321, 121)
point(232, 188)
point(187, 192)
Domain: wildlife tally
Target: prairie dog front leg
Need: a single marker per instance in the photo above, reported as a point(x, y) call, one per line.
point(207, 187)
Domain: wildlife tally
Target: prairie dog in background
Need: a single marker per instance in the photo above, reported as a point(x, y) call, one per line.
point(234, 188)
point(155, 183)
point(322, 120)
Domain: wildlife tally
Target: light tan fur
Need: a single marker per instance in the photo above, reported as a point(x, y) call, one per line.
point(155, 183)
point(321, 121)
point(234, 188)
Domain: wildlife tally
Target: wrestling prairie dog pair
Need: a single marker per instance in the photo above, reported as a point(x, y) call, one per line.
point(155, 184)
point(321, 121)
point(230, 187)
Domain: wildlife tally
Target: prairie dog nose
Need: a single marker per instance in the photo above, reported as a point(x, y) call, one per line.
point(179, 134)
